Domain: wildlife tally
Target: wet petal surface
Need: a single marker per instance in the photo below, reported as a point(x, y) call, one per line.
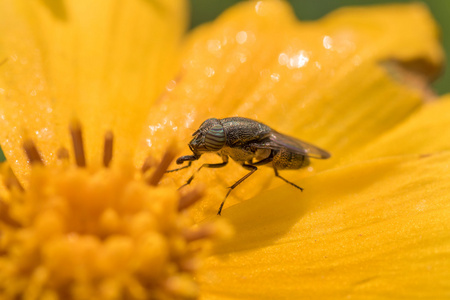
point(324, 82)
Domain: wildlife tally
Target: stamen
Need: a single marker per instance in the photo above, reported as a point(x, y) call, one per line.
point(62, 153)
point(108, 148)
point(190, 265)
point(181, 287)
point(32, 152)
point(161, 168)
point(149, 162)
point(190, 198)
point(77, 140)
point(6, 217)
point(203, 232)
point(10, 180)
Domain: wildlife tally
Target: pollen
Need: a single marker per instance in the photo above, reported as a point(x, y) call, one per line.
point(108, 233)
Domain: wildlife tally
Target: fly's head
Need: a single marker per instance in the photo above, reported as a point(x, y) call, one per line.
point(210, 137)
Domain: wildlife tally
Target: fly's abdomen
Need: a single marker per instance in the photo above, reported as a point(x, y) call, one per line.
point(285, 160)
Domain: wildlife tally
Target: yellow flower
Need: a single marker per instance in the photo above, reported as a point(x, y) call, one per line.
point(372, 221)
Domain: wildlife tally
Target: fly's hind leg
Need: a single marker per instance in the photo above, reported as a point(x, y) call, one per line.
point(285, 160)
point(248, 167)
point(285, 180)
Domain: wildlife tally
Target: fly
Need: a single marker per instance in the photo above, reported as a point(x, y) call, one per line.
point(251, 144)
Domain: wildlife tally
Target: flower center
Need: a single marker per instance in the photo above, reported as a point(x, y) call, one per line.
point(112, 233)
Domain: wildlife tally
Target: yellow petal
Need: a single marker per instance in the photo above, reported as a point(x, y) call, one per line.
point(377, 230)
point(104, 63)
point(316, 79)
point(322, 81)
point(426, 131)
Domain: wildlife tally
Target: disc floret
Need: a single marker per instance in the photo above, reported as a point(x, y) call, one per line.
point(110, 233)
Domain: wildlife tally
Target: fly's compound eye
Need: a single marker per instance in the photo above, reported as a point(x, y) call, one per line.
point(215, 138)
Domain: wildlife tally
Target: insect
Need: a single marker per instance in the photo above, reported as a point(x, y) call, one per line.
point(251, 144)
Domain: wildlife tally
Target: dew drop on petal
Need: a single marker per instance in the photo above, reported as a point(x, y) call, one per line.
point(209, 71)
point(283, 59)
point(327, 42)
point(299, 60)
point(275, 77)
point(171, 85)
point(214, 45)
point(241, 37)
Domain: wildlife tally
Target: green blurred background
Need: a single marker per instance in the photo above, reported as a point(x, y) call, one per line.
point(207, 10)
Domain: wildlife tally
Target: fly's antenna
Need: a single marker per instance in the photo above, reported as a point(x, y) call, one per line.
point(190, 129)
point(193, 131)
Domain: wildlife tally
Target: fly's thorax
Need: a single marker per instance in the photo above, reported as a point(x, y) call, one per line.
point(242, 130)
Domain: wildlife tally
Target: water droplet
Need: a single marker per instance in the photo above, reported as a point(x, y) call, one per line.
point(241, 37)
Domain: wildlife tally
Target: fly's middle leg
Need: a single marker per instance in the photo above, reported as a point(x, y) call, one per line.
point(181, 168)
point(248, 167)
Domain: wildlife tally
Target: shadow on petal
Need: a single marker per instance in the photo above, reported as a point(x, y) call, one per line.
point(265, 219)
point(378, 229)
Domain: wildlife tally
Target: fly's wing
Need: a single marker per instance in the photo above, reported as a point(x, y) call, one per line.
point(278, 141)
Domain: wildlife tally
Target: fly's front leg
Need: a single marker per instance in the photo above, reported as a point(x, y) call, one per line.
point(182, 159)
point(248, 167)
point(214, 166)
